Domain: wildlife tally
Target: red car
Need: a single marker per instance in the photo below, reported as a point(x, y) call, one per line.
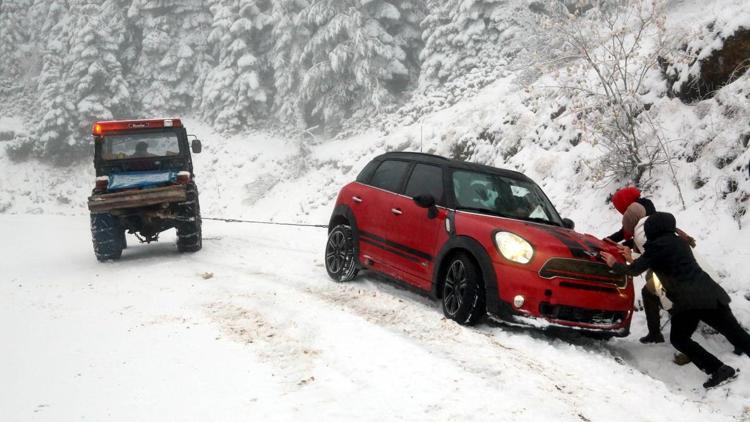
point(481, 239)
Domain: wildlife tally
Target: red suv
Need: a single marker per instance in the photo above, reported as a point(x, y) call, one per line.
point(480, 239)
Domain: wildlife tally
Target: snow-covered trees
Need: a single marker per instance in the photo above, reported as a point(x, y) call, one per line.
point(352, 63)
point(94, 77)
point(168, 52)
point(610, 82)
point(239, 64)
point(235, 92)
point(13, 35)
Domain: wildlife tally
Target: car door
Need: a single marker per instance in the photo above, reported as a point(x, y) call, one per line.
point(373, 208)
point(411, 231)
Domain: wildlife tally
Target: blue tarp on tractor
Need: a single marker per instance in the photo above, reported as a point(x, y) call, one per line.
point(141, 179)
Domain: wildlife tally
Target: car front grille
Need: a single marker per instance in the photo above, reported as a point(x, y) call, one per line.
point(581, 315)
point(578, 269)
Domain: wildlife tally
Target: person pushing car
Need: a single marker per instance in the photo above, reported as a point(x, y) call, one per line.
point(633, 207)
point(695, 296)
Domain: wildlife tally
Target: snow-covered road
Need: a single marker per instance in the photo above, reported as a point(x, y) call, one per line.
point(251, 328)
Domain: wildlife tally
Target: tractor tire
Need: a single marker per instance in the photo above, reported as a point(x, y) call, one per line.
point(463, 298)
point(189, 232)
point(107, 236)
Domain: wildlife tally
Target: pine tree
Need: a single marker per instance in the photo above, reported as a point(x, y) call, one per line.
point(476, 37)
point(351, 63)
point(236, 92)
point(13, 37)
point(93, 74)
point(168, 53)
point(290, 35)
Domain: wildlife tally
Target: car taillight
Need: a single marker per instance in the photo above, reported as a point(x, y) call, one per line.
point(183, 177)
point(101, 183)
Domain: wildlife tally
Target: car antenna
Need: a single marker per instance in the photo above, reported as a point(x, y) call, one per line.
point(421, 126)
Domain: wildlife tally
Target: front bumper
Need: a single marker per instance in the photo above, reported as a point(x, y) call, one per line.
point(568, 302)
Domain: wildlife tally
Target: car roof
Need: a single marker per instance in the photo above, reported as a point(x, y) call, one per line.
point(421, 157)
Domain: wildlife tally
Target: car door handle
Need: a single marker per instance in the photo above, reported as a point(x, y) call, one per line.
point(396, 211)
point(356, 199)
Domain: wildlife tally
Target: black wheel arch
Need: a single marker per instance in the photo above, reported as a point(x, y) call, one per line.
point(342, 214)
point(476, 251)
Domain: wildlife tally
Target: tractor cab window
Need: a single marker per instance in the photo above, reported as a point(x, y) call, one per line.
point(140, 145)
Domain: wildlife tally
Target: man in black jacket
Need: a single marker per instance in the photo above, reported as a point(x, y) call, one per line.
point(695, 296)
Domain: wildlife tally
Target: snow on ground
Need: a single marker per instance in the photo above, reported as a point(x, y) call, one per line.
point(268, 336)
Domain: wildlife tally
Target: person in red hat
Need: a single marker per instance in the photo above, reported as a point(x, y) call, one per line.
point(633, 207)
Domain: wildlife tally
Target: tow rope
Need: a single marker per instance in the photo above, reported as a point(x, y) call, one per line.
point(238, 220)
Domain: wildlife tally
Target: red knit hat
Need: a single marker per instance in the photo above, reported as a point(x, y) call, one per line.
point(624, 197)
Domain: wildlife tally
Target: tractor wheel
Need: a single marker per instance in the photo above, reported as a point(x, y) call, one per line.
point(107, 235)
point(189, 233)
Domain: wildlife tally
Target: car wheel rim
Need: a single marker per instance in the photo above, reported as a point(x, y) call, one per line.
point(336, 252)
point(455, 287)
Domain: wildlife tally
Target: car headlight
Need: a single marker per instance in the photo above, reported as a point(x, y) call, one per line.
point(513, 247)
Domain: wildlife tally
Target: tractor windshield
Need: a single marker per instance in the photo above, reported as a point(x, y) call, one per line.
point(140, 145)
point(503, 196)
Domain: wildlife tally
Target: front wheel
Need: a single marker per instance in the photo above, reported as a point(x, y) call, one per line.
point(463, 293)
point(341, 262)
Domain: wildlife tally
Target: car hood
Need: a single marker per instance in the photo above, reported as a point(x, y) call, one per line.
point(140, 179)
point(566, 243)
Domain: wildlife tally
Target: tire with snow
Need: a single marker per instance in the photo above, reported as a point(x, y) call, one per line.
point(463, 296)
point(107, 236)
point(341, 262)
point(189, 232)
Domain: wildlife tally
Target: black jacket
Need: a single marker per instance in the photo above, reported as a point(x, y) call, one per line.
point(687, 285)
point(619, 235)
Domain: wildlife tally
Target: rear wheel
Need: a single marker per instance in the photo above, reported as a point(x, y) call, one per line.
point(107, 236)
point(463, 296)
point(189, 232)
point(341, 262)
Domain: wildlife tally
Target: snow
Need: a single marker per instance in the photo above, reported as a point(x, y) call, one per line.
point(266, 335)
point(251, 327)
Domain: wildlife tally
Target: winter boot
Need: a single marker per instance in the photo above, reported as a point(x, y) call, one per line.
point(652, 338)
point(681, 359)
point(721, 375)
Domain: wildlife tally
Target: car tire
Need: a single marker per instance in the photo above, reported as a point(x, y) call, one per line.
point(189, 230)
point(106, 234)
point(463, 298)
point(340, 258)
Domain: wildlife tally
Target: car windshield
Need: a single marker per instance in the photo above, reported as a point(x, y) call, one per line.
point(140, 145)
point(503, 196)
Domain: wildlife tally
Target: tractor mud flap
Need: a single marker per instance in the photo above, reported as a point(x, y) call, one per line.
point(136, 198)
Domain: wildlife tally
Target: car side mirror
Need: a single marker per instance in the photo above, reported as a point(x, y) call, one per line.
point(427, 201)
point(568, 223)
point(196, 146)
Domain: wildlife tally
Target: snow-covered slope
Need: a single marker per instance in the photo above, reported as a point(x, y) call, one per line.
point(251, 328)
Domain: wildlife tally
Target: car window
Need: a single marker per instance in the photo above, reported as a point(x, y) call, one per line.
point(366, 173)
point(426, 179)
point(502, 195)
point(389, 175)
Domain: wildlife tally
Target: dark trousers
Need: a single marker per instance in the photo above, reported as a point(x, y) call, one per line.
point(722, 320)
point(651, 306)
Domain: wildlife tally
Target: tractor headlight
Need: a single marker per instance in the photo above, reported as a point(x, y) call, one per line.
point(513, 247)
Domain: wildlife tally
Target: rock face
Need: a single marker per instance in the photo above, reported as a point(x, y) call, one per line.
point(722, 67)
